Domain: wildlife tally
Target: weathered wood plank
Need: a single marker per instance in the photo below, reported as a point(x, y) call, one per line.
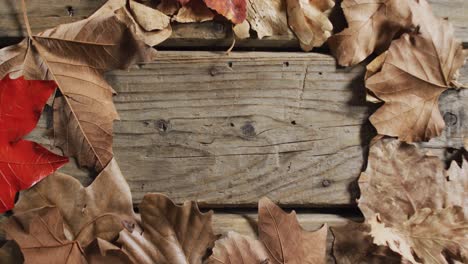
point(229, 129)
point(49, 13)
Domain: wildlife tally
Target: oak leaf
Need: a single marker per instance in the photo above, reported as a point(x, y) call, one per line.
point(372, 25)
point(234, 10)
point(395, 202)
point(168, 233)
point(282, 240)
point(75, 57)
point(308, 21)
point(99, 210)
point(40, 236)
point(22, 163)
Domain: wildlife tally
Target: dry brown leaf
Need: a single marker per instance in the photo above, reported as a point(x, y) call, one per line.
point(267, 18)
point(372, 25)
point(395, 201)
point(285, 239)
point(353, 245)
point(238, 249)
point(168, 7)
point(10, 253)
point(194, 11)
point(234, 10)
point(11, 59)
point(282, 240)
point(39, 234)
point(414, 74)
point(75, 57)
point(103, 252)
point(88, 212)
point(308, 21)
point(148, 18)
point(168, 233)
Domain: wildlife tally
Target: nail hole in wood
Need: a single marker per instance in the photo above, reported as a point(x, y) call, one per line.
point(230, 64)
point(450, 119)
point(293, 122)
point(326, 183)
point(70, 11)
point(162, 125)
point(286, 63)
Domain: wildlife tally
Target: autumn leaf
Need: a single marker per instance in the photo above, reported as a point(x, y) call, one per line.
point(99, 210)
point(103, 252)
point(353, 245)
point(22, 163)
point(395, 202)
point(168, 233)
point(40, 236)
point(282, 240)
point(372, 25)
point(75, 57)
point(267, 18)
point(194, 11)
point(234, 10)
point(308, 21)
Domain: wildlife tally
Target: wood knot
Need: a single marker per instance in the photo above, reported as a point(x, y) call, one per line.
point(163, 125)
point(450, 119)
point(248, 130)
point(326, 183)
point(70, 11)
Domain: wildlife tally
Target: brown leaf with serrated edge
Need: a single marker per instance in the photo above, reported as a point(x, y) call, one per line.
point(235, 248)
point(353, 245)
point(413, 76)
point(395, 202)
point(372, 25)
point(194, 11)
point(168, 233)
point(282, 240)
point(308, 21)
point(75, 57)
point(88, 212)
point(234, 10)
point(40, 236)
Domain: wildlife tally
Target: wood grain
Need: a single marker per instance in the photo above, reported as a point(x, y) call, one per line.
point(45, 14)
point(228, 129)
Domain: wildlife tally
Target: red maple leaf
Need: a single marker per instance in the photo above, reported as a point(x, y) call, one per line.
point(22, 163)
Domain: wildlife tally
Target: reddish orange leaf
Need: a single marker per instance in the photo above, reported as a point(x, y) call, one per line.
point(22, 163)
point(234, 10)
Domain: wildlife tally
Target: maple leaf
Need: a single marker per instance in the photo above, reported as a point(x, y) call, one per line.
point(40, 236)
point(282, 240)
point(75, 57)
point(22, 163)
point(234, 10)
point(395, 202)
point(99, 210)
point(373, 24)
point(309, 23)
point(353, 245)
point(168, 233)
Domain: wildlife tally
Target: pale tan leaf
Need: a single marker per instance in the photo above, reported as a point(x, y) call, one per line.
point(405, 197)
point(308, 21)
point(284, 238)
point(168, 233)
point(410, 82)
point(98, 210)
point(353, 245)
point(268, 17)
point(148, 18)
point(75, 57)
point(242, 30)
point(39, 234)
point(103, 252)
point(11, 59)
point(238, 249)
point(372, 24)
point(194, 11)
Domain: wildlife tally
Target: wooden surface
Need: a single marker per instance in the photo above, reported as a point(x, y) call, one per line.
point(228, 129)
point(49, 13)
